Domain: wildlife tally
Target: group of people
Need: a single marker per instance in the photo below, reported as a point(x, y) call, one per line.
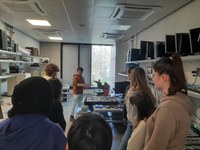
point(36, 119)
point(162, 127)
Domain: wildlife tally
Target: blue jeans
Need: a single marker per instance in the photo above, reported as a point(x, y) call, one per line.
point(77, 101)
point(126, 136)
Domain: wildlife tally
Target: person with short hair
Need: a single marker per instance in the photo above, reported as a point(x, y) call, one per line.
point(142, 108)
point(28, 125)
point(51, 71)
point(56, 111)
point(78, 86)
point(89, 132)
point(168, 126)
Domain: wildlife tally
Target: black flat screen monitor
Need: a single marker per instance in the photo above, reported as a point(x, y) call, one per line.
point(183, 44)
point(160, 49)
point(135, 55)
point(150, 50)
point(143, 47)
point(170, 47)
point(195, 40)
point(120, 87)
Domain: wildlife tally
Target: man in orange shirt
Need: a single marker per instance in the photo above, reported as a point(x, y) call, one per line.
point(78, 86)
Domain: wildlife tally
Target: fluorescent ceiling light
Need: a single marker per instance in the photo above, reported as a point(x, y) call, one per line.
point(55, 38)
point(147, 15)
point(120, 27)
point(38, 22)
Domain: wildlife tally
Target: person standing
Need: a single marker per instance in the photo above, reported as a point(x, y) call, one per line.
point(78, 86)
point(143, 107)
point(168, 126)
point(51, 71)
point(138, 82)
point(56, 111)
point(28, 126)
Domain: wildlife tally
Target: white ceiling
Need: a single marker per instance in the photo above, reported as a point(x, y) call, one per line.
point(82, 21)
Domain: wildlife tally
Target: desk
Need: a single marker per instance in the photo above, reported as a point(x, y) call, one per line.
point(110, 107)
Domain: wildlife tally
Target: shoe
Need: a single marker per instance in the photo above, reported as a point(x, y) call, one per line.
point(72, 119)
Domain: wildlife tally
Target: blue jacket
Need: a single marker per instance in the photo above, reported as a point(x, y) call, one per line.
point(31, 132)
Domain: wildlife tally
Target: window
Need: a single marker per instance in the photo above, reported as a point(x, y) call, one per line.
point(103, 64)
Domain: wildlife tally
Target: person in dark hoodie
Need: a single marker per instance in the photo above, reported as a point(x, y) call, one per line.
point(28, 126)
point(168, 126)
point(56, 111)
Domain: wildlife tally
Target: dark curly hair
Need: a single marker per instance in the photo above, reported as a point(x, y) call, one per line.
point(51, 69)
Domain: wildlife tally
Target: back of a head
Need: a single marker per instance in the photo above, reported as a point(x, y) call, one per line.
point(31, 96)
point(144, 104)
point(138, 77)
point(90, 132)
point(56, 87)
point(51, 69)
point(80, 68)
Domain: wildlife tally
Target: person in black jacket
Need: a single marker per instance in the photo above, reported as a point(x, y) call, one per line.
point(56, 111)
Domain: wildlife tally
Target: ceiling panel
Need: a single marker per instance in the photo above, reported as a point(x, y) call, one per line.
point(103, 11)
point(85, 20)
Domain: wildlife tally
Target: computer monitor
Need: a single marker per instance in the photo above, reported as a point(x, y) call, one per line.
point(135, 55)
point(120, 87)
point(170, 47)
point(143, 48)
point(160, 49)
point(195, 40)
point(150, 50)
point(183, 44)
point(3, 40)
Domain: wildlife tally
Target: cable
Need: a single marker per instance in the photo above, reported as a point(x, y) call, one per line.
point(195, 80)
point(196, 116)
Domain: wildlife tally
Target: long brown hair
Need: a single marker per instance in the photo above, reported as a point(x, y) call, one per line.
point(139, 83)
point(174, 68)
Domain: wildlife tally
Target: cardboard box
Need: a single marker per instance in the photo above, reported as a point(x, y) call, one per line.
point(34, 51)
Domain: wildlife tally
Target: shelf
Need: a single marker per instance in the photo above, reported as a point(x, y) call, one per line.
point(194, 94)
point(7, 76)
point(9, 53)
point(190, 58)
point(184, 58)
point(19, 54)
point(122, 74)
point(13, 61)
point(141, 61)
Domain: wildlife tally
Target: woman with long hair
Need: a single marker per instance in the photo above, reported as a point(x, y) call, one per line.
point(142, 108)
point(138, 82)
point(168, 126)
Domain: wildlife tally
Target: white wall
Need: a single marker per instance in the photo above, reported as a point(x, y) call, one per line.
point(22, 39)
point(52, 51)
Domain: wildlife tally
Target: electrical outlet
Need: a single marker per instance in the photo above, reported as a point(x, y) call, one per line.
point(198, 72)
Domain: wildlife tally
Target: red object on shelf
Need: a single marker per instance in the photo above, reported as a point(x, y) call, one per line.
point(106, 92)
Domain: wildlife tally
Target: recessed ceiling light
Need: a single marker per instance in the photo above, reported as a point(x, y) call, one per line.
point(55, 38)
point(38, 22)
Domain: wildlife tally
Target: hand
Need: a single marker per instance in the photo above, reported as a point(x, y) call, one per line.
point(87, 85)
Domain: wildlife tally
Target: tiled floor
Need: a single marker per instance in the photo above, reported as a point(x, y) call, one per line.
point(117, 128)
